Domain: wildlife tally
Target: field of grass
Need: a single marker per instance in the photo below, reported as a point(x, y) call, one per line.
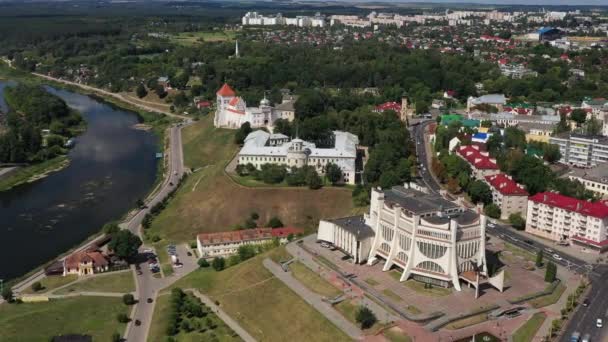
point(527, 331)
point(209, 201)
point(95, 316)
point(313, 281)
point(159, 324)
point(53, 282)
point(261, 303)
point(548, 299)
point(25, 174)
point(111, 282)
point(193, 38)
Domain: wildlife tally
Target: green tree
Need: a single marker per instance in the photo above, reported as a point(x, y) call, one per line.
point(160, 91)
point(274, 222)
point(492, 210)
point(480, 192)
point(246, 252)
point(7, 293)
point(517, 221)
point(550, 272)
point(110, 228)
point(218, 263)
point(122, 318)
point(37, 286)
point(313, 180)
point(125, 244)
point(128, 299)
point(593, 126)
point(333, 173)
point(365, 317)
point(203, 263)
point(539, 258)
point(141, 91)
point(116, 337)
point(579, 116)
point(242, 133)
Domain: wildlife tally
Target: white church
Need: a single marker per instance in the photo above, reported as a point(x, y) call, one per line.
point(232, 111)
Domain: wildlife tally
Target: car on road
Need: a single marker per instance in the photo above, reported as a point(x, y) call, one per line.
point(325, 245)
point(548, 250)
point(189, 253)
point(586, 338)
point(171, 183)
point(180, 265)
point(175, 173)
point(529, 242)
point(137, 322)
point(575, 337)
point(563, 243)
point(150, 300)
point(586, 302)
point(599, 323)
point(139, 272)
point(557, 257)
point(491, 225)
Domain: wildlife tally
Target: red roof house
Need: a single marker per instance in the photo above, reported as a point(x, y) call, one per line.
point(597, 209)
point(506, 185)
point(225, 91)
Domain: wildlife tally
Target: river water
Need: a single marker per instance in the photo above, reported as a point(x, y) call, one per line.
point(111, 166)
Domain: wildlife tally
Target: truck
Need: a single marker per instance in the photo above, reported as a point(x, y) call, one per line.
point(576, 336)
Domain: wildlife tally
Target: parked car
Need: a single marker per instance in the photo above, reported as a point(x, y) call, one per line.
point(325, 245)
point(139, 272)
point(548, 250)
point(557, 257)
point(491, 225)
point(599, 323)
point(529, 242)
point(150, 300)
point(586, 302)
point(586, 338)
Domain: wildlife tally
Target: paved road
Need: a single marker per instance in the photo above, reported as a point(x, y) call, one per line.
point(234, 325)
point(314, 300)
point(584, 320)
point(423, 153)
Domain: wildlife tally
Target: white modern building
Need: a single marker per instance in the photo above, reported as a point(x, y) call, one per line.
point(262, 148)
point(561, 218)
point(581, 150)
point(496, 100)
point(232, 111)
point(254, 18)
point(427, 237)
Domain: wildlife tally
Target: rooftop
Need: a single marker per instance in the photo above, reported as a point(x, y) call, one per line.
point(225, 90)
point(356, 225)
point(417, 202)
point(597, 174)
point(480, 160)
point(246, 235)
point(505, 185)
point(596, 209)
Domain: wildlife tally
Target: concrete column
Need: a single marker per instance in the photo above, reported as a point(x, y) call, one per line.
point(411, 256)
point(395, 242)
point(453, 262)
point(481, 253)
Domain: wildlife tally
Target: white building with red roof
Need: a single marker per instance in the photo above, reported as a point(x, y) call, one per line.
point(222, 244)
point(481, 163)
point(508, 195)
point(232, 111)
point(85, 262)
point(562, 218)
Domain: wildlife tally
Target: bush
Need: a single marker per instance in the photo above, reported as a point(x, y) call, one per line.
point(274, 222)
point(128, 299)
point(122, 318)
point(492, 210)
point(116, 337)
point(7, 293)
point(203, 263)
point(37, 286)
point(365, 317)
point(550, 272)
point(517, 221)
point(218, 263)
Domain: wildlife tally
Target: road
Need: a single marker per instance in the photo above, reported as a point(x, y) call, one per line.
point(584, 319)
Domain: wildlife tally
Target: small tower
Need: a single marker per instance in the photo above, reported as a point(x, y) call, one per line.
point(236, 49)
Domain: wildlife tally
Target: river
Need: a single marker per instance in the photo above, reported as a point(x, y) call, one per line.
point(111, 166)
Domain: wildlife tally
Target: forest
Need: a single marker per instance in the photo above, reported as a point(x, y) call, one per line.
point(37, 125)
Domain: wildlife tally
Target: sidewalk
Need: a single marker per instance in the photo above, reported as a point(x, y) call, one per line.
point(234, 325)
point(314, 300)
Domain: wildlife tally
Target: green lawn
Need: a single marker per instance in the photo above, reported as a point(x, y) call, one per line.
point(527, 331)
point(312, 280)
point(110, 282)
point(548, 299)
point(262, 304)
point(221, 332)
point(194, 38)
point(34, 171)
point(95, 316)
point(52, 282)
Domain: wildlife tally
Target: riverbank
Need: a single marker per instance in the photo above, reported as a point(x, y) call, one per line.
point(32, 173)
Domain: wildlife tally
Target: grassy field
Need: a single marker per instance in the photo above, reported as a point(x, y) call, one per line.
point(28, 173)
point(262, 304)
point(112, 282)
point(527, 331)
point(193, 38)
point(95, 316)
point(159, 323)
point(209, 201)
point(53, 282)
point(548, 299)
point(313, 281)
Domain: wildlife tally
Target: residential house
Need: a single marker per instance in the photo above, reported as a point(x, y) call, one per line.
point(508, 195)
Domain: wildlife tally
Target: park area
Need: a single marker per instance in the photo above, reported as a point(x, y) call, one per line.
point(210, 201)
point(193, 38)
point(78, 315)
point(261, 303)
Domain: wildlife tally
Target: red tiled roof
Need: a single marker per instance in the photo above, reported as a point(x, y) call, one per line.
point(74, 259)
point(596, 209)
point(476, 158)
point(225, 90)
point(234, 101)
point(246, 235)
point(505, 185)
point(389, 106)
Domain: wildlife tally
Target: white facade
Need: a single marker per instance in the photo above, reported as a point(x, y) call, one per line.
point(429, 238)
point(581, 150)
point(558, 218)
point(254, 18)
point(594, 179)
point(262, 148)
point(232, 111)
point(350, 234)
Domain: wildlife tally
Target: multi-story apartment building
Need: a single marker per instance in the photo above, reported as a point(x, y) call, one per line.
point(581, 150)
point(428, 237)
point(508, 195)
point(594, 179)
point(481, 163)
point(562, 218)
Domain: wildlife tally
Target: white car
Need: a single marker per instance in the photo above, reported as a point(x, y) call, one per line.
point(548, 250)
point(599, 323)
point(491, 225)
point(325, 245)
point(557, 257)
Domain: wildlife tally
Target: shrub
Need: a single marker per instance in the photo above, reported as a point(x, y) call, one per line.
point(37, 286)
point(218, 263)
point(492, 210)
point(122, 318)
point(128, 299)
point(517, 221)
point(365, 317)
point(274, 222)
point(203, 263)
point(116, 337)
